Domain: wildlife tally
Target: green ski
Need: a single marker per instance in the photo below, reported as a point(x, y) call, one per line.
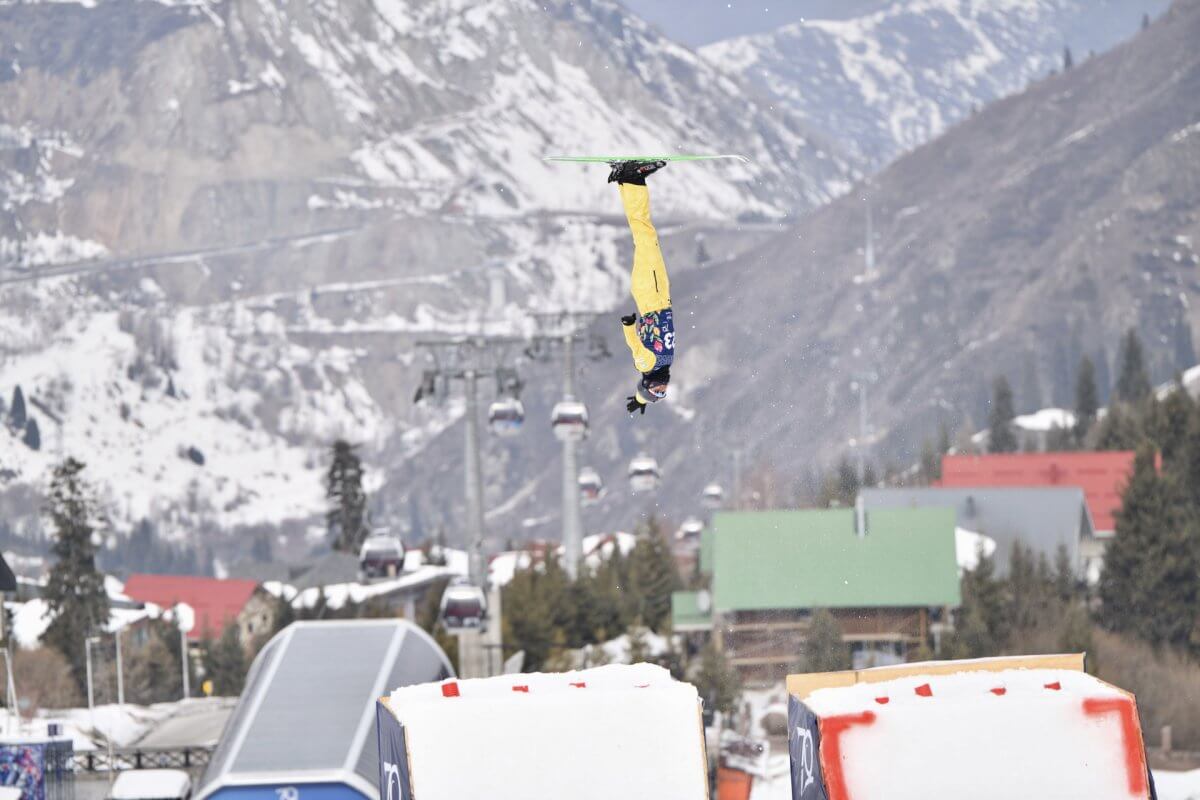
point(616, 159)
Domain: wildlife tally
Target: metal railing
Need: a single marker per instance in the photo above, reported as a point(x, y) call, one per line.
point(139, 758)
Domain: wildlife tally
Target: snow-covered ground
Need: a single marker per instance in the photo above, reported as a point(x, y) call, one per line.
point(1177, 785)
point(168, 410)
point(122, 725)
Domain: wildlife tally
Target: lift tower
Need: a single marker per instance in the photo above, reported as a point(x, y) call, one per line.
point(558, 334)
point(468, 360)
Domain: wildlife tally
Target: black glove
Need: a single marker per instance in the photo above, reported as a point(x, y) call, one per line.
point(634, 405)
point(628, 319)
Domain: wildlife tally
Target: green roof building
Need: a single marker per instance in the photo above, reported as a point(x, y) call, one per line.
point(770, 569)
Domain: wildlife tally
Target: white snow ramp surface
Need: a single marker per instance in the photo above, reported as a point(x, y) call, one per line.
point(610, 732)
point(1049, 733)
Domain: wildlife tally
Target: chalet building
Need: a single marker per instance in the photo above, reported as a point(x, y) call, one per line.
point(1101, 476)
point(215, 602)
point(1042, 519)
point(890, 576)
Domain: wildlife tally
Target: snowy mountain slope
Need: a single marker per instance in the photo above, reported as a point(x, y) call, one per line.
point(242, 117)
point(887, 81)
point(204, 421)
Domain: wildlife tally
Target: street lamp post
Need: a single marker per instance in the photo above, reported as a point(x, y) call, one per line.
point(183, 652)
point(120, 672)
point(87, 648)
point(13, 703)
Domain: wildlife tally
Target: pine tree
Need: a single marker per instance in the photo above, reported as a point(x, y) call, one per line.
point(151, 674)
point(1001, 437)
point(346, 517)
point(16, 410)
point(33, 436)
point(74, 593)
point(1087, 399)
point(1075, 635)
point(716, 681)
point(1031, 587)
point(225, 663)
point(529, 621)
point(639, 646)
point(1117, 431)
point(1064, 574)
point(1145, 21)
point(971, 637)
point(1190, 467)
point(824, 648)
point(652, 577)
point(930, 461)
point(1151, 581)
point(1068, 60)
point(596, 602)
point(1133, 383)
point(983, 620)
point(1171, 434)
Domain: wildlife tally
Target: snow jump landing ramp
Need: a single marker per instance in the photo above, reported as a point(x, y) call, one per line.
point(1005, 728)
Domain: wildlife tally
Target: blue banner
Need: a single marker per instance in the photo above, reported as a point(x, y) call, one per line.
point(23, 766)
point(804, 747)
point(393, 756)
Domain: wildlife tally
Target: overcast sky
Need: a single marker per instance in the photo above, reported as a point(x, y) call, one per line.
point(697, 22)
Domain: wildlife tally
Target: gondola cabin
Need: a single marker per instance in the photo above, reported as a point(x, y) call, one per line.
point(713, 496)
point(569, 420)
point(506, 416)
point(463, 606)
point(644, 475)
point(591, 486)
point(381, 556)
point(690, 530)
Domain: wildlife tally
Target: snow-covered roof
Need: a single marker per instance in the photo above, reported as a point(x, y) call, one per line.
point(339, 594)
point(31, 618)
point(150, 784)
point(307, 713)
point(1045, 420)
point(596, 549)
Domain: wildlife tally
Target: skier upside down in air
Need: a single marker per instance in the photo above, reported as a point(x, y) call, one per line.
point(650, 333)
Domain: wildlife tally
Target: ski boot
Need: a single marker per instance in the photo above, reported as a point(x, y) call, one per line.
point(634, 172)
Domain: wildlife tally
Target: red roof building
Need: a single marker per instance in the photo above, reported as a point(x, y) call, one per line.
point(1102, 476)
point(215, 602)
